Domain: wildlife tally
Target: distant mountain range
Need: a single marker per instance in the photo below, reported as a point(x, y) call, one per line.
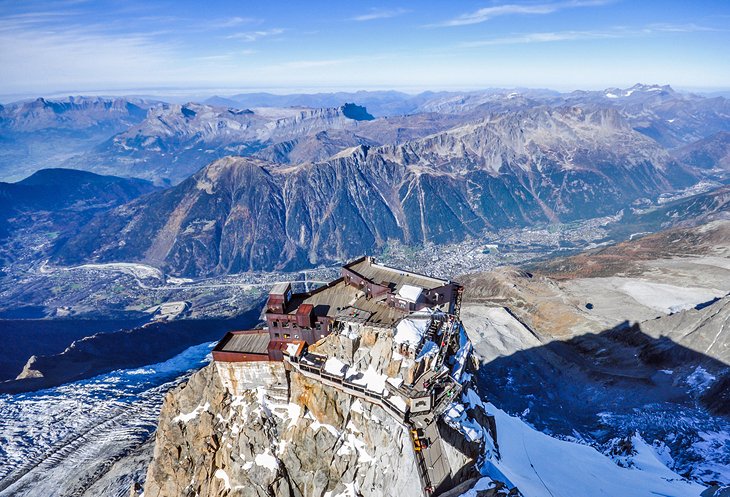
point(253, 187)
point(45, 133)
point(521, 168)
point(671, 117)
point(166, 143)
point(174, 141)
point(72, 113)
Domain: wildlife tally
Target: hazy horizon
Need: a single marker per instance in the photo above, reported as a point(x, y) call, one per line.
point(181, 94)
point(57, 47)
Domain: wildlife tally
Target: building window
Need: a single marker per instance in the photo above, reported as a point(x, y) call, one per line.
point(276, 335)
point(296, 336)
point(287, 335)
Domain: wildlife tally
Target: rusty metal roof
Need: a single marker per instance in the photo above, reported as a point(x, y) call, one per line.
point(375, 272)
point(305, 309)
point(249, 342)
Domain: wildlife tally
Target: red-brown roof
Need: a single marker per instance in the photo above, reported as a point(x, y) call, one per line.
point(305, 309)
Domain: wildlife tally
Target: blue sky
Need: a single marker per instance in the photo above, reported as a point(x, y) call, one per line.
point(96, 45)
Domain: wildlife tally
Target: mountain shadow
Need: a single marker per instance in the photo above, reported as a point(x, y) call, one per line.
point(602, 388)
point(130, 348)
point(63, 199)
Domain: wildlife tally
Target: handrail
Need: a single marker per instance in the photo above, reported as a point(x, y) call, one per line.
point(374, 398)
point(370, 395)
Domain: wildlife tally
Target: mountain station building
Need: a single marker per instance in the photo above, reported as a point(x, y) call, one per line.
point(366, 293)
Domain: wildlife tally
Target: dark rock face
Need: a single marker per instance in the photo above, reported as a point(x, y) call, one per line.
point(240, 214)
point(717, 397)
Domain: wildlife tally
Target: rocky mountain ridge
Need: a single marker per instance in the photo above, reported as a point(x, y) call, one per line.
point(176, 140)
point(670, 117)
point(627, 338)
point(506, 170)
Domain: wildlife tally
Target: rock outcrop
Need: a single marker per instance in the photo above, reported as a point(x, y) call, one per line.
point(235, 430)
point(260, 429)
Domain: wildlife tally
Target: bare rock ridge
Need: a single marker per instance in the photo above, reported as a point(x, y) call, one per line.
point(504, 170)
point(671, 282)
point(176, 140)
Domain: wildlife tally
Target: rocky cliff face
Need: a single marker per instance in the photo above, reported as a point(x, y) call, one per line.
point(174, 141)
point(245, 430)
point(255, 429)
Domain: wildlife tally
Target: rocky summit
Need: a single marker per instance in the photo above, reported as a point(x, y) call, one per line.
point(352, 249)
point(371, 386)
point(367, 399)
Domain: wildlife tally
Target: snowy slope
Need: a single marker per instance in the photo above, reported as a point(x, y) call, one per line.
point(542, 466)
